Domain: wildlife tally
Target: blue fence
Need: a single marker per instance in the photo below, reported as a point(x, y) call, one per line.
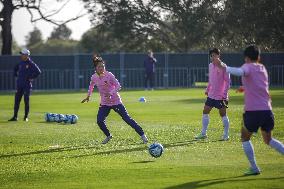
point(172, 70)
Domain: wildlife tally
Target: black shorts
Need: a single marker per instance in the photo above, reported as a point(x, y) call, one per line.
point(216, 103)
point(255, 119)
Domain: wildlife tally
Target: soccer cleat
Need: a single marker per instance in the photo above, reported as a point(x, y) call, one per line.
point(224, 138)
point(200, 136)
point(251, 171)
point(107, 139)
point(13, 119)
point(26, 119)
point(144, 139)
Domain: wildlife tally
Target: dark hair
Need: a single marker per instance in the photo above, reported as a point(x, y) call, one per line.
point(214, 50)
point(252, 52)
point(97, 59)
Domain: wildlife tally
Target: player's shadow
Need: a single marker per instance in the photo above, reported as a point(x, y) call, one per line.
point(231, 180)
point(150, 161)
point(47, 151)
point(236, 100)
point(118, 151)
point(45, 122)
point(98, 147)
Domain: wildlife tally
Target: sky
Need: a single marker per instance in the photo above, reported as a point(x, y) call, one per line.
point(21, 24)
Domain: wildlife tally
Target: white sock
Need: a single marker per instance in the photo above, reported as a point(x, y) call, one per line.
point(226, 124)
point(205, 123)
point(277, 145)
point(249, 151)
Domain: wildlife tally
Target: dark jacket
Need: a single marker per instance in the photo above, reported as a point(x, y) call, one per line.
point(26, 71)
point(149, 64)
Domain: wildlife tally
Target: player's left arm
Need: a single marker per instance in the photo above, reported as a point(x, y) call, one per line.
point(227, 85)
point(154, 60)
point(35, 71)
point(90, 89)
point(115, 84)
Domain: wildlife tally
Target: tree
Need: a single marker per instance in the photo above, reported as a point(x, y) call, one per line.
point(34, 37)
point(98, 39)
point(34, 7)
point(61, 32)
point(190, 25)
point(254, 21)
point(55, 46)
point(179, 25)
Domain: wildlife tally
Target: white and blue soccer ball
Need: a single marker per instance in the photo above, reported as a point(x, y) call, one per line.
point(56, 118)
point(74, 119)
point(52, 117)
point(61, 118)
point(142, 99)
point(49, 117)
point(68, 118)
point(156, 150)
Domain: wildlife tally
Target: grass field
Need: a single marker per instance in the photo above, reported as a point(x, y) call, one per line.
point(37, 154)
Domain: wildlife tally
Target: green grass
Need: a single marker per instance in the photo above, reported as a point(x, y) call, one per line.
point(171, 117)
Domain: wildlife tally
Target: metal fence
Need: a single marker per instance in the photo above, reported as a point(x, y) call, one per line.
point(180, 77)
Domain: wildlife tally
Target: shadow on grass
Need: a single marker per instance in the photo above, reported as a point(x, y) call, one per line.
point(207, 183)
point(4, 121)
point(118, 151)
point(98, 147)
point(63, 149)
point(144, 161)
point(277, 100)
point(236, 100)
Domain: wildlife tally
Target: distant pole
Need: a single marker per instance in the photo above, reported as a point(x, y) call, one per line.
point(76, 71)
point(166, 72)
point(208, 57)
point(121, 67)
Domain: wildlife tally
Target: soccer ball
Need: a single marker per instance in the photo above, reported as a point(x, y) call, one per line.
point(68, 118)
point(74, 119)
point(142, 99)
point(156, 150)
point(56, 118)
point(52, 117)
point(61, 118)
point(49, 117)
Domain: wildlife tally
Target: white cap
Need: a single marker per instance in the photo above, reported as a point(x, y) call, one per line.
point(25, 52)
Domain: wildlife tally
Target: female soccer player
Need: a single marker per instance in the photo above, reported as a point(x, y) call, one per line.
point(108, 87)
point(258, 109)
point(217, 96)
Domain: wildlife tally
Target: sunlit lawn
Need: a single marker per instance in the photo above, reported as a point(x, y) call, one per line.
point(55, 155)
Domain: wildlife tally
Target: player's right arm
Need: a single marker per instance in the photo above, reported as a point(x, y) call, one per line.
point(90, 91)
point(233, 70)
point(209, 82)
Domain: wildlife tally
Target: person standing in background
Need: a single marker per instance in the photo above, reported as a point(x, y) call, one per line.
point(25, 72)
point(149, 65)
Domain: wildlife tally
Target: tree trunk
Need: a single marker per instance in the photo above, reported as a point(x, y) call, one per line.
point(6, 32)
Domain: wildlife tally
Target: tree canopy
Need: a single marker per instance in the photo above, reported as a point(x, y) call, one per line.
point(189, 25)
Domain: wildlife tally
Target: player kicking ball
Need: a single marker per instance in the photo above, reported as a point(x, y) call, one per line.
point(258, 109)
point(108, 87)
point(217, 95)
